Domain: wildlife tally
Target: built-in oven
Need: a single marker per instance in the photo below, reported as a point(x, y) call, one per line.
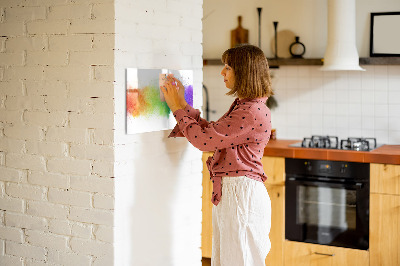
point(327, 202)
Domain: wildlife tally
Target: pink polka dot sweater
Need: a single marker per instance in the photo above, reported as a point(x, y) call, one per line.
point(238, 139)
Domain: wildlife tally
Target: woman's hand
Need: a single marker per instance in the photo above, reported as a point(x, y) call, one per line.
point(173, 91)
point(181, 91)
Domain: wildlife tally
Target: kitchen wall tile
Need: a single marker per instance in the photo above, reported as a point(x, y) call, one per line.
point(355, 132)
point(393, 71)
point(317, 120)
point(394, 110)
point(382, 110)
point(342, 81)
point(328, 74)
point(367, 96)
point(355, 96)
point(326, 101)
point(315, 72)
point(316, 82)
point(317, 108)
point(367, 133)
point(304, 82)
point(381, 123)
point(382, 136)
point(355, 122)
point(329, 109)
point(342, 96)
point(342, 122)
point(369, 70)
point(292, 82)
point(317, 131)
point(317, 95)
point(291, 71)
point(354, 82)
point(329, 93)
point(380, 71)
point(367, 110)
point(342, 133)
point(381, 97)
point(381, 84)
point(355, 109)
point(304, 72)
point(368, 122)
point(394, 97)
point(394, 137)
point(329, 122)
point(304, 108)
point(342, 109)
point(394, 83)
point(394, 123)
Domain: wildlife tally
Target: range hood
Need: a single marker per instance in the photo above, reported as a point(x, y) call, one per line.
point(341, 51)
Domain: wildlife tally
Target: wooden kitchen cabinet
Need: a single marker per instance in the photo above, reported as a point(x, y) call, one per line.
point(305, 254)
point(206, 225)
point(277, 233)
point(384, 236)
point(274, 168)
point(385, 178)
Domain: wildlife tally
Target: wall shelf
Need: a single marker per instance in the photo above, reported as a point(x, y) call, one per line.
point(380, 61)
point(274, 63)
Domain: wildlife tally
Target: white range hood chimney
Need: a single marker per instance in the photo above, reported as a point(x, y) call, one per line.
point(341, 51)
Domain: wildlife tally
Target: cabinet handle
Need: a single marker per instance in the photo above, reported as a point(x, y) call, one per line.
point(325, 254)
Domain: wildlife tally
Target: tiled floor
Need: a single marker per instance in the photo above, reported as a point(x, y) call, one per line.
point(206, 261)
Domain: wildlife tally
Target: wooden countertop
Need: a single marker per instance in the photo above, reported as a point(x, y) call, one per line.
point(389, 154)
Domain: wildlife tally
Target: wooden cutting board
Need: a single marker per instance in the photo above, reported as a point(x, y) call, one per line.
point(239, 35)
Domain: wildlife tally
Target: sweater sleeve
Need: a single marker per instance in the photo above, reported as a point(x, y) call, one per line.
point(193, 113)
point(229, 131)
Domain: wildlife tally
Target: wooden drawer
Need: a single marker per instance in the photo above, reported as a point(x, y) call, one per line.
point(304, 254)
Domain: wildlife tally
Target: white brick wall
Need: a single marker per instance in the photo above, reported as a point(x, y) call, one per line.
point(62, 138)
point(56, 132)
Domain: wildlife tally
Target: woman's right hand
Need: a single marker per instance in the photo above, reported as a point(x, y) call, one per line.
point(181, 91)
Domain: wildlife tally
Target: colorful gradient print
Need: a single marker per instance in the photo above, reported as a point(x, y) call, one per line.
point(147, 102)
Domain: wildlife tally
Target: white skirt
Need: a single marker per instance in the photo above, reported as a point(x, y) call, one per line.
point(241, 223)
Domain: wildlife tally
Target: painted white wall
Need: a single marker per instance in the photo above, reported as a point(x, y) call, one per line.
point(158, 180)
point(344, 103)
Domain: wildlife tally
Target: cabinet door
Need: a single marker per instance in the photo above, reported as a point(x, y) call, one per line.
point(385, 178)
point(304, 254)
point(206, 226)
point(274, 168)
point(277, 233)
point(384, 229)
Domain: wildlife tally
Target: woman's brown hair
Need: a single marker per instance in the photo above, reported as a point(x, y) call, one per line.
point(250, 66)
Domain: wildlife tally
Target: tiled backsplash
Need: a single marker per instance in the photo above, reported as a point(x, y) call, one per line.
point(313, 102)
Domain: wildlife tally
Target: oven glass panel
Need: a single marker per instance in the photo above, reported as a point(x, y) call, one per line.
point(326, 207)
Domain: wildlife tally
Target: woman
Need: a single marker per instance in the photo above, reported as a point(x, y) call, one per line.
point(242, 208)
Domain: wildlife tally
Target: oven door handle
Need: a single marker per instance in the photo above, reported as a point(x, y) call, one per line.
point(357, 185)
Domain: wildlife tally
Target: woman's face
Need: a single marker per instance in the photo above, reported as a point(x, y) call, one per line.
point(229, 76)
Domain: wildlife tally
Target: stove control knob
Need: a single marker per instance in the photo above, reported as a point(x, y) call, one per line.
point(308, 166)
point(343, 168)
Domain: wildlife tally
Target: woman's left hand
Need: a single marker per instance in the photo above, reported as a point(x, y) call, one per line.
point(170, 90)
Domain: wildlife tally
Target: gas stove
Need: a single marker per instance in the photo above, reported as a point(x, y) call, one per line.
point(332, 142)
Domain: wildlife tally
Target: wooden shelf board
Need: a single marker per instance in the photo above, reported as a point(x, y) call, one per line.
point(273, 62)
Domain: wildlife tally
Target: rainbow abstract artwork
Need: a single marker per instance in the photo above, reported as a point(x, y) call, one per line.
point(146, 109)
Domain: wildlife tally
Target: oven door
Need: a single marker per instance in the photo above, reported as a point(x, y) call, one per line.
point(327, 213)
